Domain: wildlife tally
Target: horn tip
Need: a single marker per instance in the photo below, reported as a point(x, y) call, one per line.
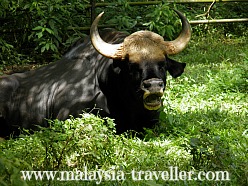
point(178, 12)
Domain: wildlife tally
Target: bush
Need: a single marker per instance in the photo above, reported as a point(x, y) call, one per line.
point(41, 31)
point(40, 27)
point(89, 142)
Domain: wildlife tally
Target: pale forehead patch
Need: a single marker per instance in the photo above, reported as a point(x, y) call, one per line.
point(144, 45)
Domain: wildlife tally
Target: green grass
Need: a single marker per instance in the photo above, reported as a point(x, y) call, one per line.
point(204, 127)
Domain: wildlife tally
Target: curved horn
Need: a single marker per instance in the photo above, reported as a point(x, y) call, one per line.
point(113, 51)
point(177, 45)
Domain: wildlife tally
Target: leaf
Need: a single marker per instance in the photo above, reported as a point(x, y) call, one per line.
point(53, 47)
point(43, 49)
point(51, 24)
point(49, 30)
point(47, 46)
point(38, 28)
point(39, 34)
point(26, 6)
point(58, 38)
point(152, 183)
point(170, 118)
point(55, 31)
point(194, 142)
point(50, 8)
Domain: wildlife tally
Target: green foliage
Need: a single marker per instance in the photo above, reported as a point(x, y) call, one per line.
point(158, 18)
point(211, 108)
point(223, 10)
point(9, 56)
point(203, 128)
point(10, 172)
point(162, 21)
point(40, 27)
point(85, 142)
point(41, 31)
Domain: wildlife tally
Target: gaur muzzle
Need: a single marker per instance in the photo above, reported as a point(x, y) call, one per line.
point(153, 91)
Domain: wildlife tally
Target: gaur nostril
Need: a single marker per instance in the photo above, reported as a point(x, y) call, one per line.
point(147, 85)
point(161, 84)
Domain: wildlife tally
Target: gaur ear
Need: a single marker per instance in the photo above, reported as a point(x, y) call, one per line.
point(175, 68)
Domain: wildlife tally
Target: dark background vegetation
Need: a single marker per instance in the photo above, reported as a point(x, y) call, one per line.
point(204, 125)
point(41, 31)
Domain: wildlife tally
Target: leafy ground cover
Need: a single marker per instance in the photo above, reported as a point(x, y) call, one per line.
point(204, 127)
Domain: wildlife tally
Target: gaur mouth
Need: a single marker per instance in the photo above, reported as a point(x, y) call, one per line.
point(152, 101)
